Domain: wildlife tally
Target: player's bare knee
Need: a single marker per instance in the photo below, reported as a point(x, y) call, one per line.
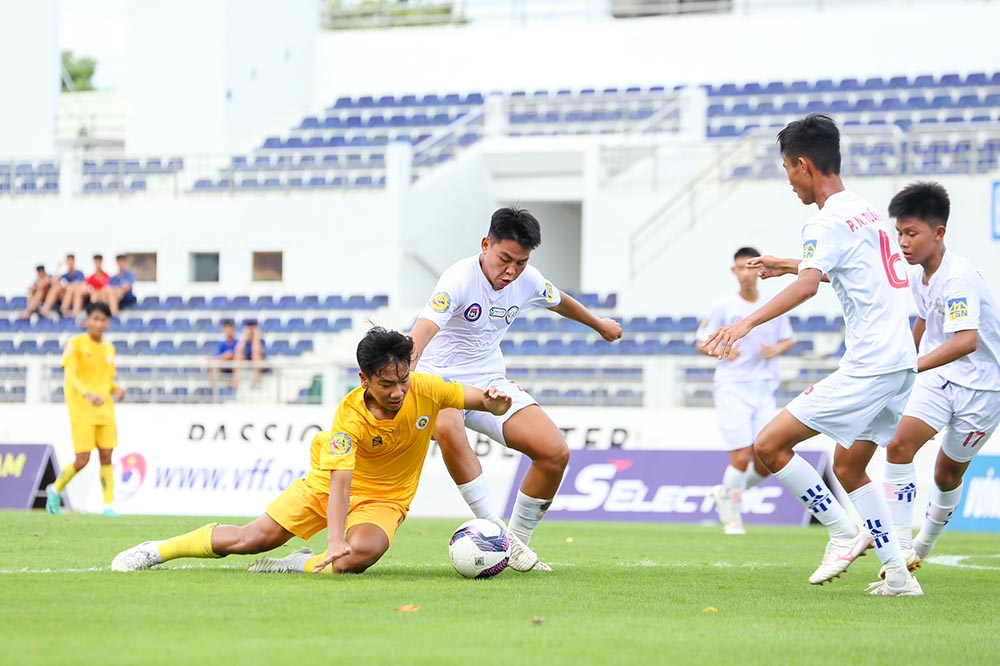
point(947, 479)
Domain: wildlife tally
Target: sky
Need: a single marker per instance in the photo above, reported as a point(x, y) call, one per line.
point(98, 28)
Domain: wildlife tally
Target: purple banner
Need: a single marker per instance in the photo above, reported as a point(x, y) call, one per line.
point(21, 470)
point(662, 486)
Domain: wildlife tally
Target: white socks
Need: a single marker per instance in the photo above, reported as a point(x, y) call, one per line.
point(805, 483)
point(528, 512)
point(875, 518)
point(943, 503)
point(476, 494)
point(900, 490)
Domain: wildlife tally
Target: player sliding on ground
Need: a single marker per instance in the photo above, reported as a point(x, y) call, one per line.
point(458, 335)
point(957, 332)
point(362, 478)
point(859, 405)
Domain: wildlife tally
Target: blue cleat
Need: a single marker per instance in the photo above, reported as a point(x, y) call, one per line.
point(109, 512)
point(53, 502)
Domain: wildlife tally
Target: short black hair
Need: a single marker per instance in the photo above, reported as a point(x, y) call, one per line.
point(816, 136)
point(99, 256)
point(926, 201)
point(40, 267)
point(516, 224)
point(250, 322)
point(381, 348)
point(120, 256)
point(228, 322)
point(99, 307)
point(748, 252)
point(70, 255)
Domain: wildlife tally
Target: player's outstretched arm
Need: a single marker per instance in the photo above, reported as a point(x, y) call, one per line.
point(423, 331)
point(492, 400)
point(805, 287)
point(336, 517)
point(768, 267)
point(959, 345)
point(571, 308)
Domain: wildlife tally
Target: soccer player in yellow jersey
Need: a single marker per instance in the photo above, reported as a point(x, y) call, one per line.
point(363, 472)
point(89, 385)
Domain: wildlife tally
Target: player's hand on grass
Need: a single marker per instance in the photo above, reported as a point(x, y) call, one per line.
point(496, 401)
point(94, 399)
point(335, 549)
point(609, 329)
point(768, 266)
point(119, 395)
point(721, 343)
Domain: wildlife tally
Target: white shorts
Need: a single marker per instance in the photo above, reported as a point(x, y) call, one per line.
point(969, 415)
point(846, 408)
point(742, 409)
point(490, 424)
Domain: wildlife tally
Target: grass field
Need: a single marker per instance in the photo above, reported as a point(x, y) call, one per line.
point(621, 593)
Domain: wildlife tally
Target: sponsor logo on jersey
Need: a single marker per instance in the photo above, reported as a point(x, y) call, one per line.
point(440, 302)
point(340, 444)
point(422, 422)
point(958, 308)
point(549, 293)
point(376, 441)
point(808, 249)
point(473, 312)
point(511, 313)
point(939, 305)
point(498, 312)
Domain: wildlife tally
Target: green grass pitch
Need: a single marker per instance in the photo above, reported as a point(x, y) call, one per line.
point(620, 594)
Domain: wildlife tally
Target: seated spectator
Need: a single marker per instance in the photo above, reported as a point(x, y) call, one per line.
point(64, 288)
point(251, 347)
point(88, 290)
point(37, 291)
point(118, 294)
point(223, 355)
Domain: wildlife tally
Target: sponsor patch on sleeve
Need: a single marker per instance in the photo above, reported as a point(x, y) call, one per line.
point(440, 302)
point(549, 293)
point(340, 444)
point(808, 249)
point(958, 309)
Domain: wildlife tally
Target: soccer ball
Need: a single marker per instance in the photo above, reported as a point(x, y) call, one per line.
point(479, 549)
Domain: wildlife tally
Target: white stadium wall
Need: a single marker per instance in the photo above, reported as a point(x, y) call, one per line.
point(763, 46)
point(29, 77)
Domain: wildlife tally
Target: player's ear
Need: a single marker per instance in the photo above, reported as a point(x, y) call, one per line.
point(485, 244)
point(939, 232)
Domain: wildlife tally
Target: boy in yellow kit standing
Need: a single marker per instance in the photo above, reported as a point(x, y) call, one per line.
point(89, 384)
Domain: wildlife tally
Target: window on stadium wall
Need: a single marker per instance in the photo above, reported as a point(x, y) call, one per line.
point(143, 265)
point(204, 267)
point(267, 266)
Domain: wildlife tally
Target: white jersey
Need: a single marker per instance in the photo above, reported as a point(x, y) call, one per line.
point(957, 298)
point(851, 243)
point(749, 366)
point(473, 318)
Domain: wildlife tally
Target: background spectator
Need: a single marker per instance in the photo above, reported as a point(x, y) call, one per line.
point(251, 347)
point(37, 291)
point(87, 290)
point(63, 289)
point(118, 294)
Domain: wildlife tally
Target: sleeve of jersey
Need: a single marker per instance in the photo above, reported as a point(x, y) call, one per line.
point(961, 305)
point(784, 327)
point(71, 365)
point(710, 325)
point(820, 248)
point(338, 453)
point(445, 301)
point(544, 294)
point(447, 393)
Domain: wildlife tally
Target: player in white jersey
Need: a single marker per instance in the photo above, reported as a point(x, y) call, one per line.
point(744, 387)
point(957, 332)
point(458, 335)
point(859, 405)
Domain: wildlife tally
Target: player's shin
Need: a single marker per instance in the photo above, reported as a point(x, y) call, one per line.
point(108, 484)
point(476, 494)
point(805, 484)
point(197, 543)
point(528, 512)
point(900, 490)
point(942, 505)
point(875, 518)
point(65, 476)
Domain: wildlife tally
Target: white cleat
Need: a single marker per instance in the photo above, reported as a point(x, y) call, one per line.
point(882, 588)
point(912, 564)
point(137, 558)
point(522, 557)
point(839, 555)
point(293, 563)
point(729, 515)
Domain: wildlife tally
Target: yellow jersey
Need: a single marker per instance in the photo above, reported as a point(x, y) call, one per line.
point(89, 368)
point(386, 456)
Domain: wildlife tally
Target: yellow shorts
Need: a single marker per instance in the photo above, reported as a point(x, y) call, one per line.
point(88, 436)
point(301, 510)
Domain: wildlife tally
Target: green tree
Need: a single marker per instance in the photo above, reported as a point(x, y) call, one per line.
point(78, 71)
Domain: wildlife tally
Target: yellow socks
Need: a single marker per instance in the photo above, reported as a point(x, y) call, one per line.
point(108, 483)
point(64, 477)
point(316, 559)
point(193, 544)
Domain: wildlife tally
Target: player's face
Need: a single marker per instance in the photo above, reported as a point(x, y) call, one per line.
point(746, 276)
point(798, 178)
point(389, 385)
point(96, 323)
point(503, 261)
point(917, 239)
